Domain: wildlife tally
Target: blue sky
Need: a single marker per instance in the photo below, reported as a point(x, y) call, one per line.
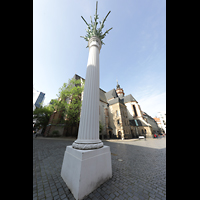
point(134, 50)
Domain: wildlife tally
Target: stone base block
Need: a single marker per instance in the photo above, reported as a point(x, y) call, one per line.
point(85, 170)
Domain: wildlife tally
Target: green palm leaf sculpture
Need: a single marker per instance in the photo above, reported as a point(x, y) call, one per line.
point(92, 28)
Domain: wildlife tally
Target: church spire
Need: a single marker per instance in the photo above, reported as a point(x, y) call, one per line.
point(118, 86)
point(119, 91)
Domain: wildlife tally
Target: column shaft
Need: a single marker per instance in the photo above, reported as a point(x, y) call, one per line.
point(89, 123)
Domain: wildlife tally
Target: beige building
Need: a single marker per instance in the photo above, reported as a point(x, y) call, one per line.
point(120, 116)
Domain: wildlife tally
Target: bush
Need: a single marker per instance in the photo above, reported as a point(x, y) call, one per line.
point(55, 133)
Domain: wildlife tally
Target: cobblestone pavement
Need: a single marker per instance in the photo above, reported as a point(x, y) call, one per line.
point(140, 175)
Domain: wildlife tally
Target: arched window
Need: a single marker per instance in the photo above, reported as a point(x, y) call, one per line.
point(135, 110)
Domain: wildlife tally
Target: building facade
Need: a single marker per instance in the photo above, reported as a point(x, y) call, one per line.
point(38, 98)
point(152, 122)
point(158, 121)
point(162, 116)
point(125, 116)
point(120, 116)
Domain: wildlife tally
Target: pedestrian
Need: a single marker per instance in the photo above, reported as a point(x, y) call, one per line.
point(37, 132)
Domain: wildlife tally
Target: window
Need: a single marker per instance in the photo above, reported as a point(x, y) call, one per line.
point(139, 122)
point(134, 110)
point(118, 121)
point(116, 112)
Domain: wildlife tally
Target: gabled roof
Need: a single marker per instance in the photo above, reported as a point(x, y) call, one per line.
point(102, 96)
point(116, 100)
point(142, 122)
point(113, 98)
point(129, 98)
point(146, 115)
point(77, 77)
point(111, 94)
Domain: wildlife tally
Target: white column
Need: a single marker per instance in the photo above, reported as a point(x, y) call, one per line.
point(88, 134)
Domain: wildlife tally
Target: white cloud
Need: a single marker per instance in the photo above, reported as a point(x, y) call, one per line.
point(153, 103)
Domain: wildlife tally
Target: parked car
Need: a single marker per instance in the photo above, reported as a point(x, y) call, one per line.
point(141, 137)
point(155, 136)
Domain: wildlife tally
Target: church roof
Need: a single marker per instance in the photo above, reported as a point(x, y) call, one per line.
point(129, 98)
point(113, 98)
point(111, 94)
point(142, 123)
point(116, 100)
point(102, 96)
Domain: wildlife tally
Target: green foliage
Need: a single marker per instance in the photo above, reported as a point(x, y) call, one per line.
point(92, 28)
point(55, 133)
point(68, 104)
point(100, 127)
point(42, 114)
point(69, 101)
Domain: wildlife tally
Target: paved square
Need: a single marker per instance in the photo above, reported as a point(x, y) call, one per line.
point(139, 170)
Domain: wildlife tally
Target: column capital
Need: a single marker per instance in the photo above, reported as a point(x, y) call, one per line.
point(94, 41)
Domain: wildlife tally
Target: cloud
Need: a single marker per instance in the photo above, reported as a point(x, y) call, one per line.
point(152, 103)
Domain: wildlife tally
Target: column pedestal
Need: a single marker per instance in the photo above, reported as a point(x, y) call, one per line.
point(85, 170)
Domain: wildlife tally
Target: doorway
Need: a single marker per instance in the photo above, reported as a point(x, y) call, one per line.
point(110, 134)
point(119, 135)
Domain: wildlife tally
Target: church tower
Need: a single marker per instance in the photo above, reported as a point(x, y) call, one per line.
point(119, 91)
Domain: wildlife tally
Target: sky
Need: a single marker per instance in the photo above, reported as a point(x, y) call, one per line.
point(134, 52)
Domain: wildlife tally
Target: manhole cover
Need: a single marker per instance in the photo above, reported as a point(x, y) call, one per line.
point(120, 160)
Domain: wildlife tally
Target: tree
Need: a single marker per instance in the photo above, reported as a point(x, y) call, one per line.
point(100, 127)
point(69, 101)
point(42, 114)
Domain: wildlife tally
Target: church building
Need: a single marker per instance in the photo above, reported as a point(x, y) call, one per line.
point(120, 116)
point(123, 116)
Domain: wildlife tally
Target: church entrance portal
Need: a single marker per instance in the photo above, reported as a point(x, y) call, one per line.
point(119, 135)
point(110, 134)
